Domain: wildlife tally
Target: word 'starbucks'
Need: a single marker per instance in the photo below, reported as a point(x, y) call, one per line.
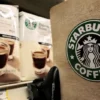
point(83, 49)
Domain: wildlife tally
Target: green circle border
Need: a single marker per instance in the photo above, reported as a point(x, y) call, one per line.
point(66, 49)
point(29, 27)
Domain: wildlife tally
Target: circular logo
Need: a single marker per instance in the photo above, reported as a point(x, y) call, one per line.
point(30, 24)
point(83, 49)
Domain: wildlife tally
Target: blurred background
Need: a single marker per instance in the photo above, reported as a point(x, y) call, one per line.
point(38, 7)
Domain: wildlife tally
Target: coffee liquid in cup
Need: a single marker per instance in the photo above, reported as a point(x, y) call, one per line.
point(3, 57)
point(39, 59)
point(48, 52)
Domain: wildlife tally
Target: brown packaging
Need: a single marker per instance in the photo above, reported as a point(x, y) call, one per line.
point(64, 17)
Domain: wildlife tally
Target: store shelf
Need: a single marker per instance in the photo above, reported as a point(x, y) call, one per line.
point(13, 85)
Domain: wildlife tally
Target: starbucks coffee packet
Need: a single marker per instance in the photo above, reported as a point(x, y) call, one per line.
point(36, 45)
point(33, 27)
point(76, 47)
point(9, 45)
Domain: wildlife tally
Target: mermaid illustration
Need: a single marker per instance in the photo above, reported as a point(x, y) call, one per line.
point(91, 55)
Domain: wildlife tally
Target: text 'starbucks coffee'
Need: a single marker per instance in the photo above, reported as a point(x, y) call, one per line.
point(83, 49)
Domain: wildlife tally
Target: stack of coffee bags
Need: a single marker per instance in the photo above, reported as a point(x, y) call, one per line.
point(76, 38)
point(36, 42)
point(9, 44)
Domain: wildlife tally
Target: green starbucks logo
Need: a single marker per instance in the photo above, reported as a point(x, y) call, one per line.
point(30, 24)
point(83, 49)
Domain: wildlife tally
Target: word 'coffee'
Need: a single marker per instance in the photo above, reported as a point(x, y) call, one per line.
point(83, 49)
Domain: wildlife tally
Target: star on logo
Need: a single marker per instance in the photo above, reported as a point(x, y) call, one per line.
point(72, 57)
point(89, 38)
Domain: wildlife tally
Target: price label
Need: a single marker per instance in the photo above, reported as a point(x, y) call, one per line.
point(4, 95)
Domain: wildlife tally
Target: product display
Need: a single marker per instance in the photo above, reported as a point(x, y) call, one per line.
point(9, 45)
point(26, 55)
point(24, 52)
point(36, 45)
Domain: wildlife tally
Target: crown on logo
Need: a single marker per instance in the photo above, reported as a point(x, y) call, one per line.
point(89, 40)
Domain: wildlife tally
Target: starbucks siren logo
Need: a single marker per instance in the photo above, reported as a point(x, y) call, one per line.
point(83, 49)
point(30, 24)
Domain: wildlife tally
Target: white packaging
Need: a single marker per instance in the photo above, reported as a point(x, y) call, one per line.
point(36, 28)
point(33, 30)
point(9, 44)
point(9, 17)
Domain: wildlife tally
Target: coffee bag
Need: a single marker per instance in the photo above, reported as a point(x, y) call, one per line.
point(36, 45)
point(76, 31)
point(9, 44)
